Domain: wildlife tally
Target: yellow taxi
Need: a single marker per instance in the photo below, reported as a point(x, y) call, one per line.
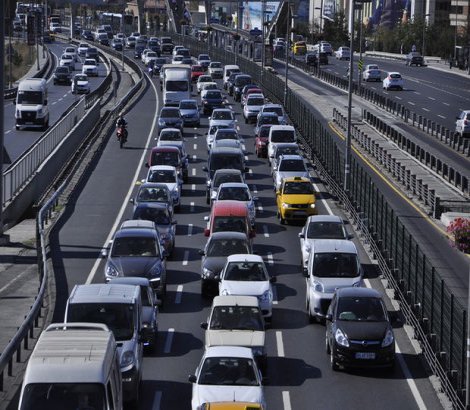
point(231, 405)
point(295, 199)
point(299, 48)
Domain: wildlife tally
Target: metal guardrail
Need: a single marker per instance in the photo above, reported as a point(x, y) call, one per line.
point(427, 303)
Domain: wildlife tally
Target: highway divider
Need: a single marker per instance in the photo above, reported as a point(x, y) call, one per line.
point(434, 310)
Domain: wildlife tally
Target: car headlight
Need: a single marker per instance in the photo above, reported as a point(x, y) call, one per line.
point(127, 358)
point(258, 351)
point(285, 205)
point(388, 339)
point(318, 286)
point(205, 102)
point(266, 296)
point(156, 271)
point(40, 111)
point(207, 273)
point(111, 270)
point(161, 122)
point(341, 338)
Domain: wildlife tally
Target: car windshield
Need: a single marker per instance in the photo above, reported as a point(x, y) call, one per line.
point(242, 81)
point(221, 178)
point(134, 246)
point(335, 265)
point(162, 175)
point(204, 79)
point(29, 97)
point(228, 371)
point(245, 272)
point(325, 230)
point(255, 101)
point(89, 62)
point(363, 309)
point(226, 135)
point(170, 136)
point(292, 165)
point(147, 194)
point(298, 188)
point(119, 317)
point(236, 318)
point(286, 151)
point(81, 78)
point(226, 161)
point(62, 70)
point(58, 396)
point(222, 115)
point(170, 113)
point(395, 76)
point(196, 68)
point(235, 193)
point(186, 105)
point(213, 94)
point(216, 65)
point(165, 158)
point(282, 136)
point(268, 119)
point(176, 86)
point(227, 247)
point(159, 216)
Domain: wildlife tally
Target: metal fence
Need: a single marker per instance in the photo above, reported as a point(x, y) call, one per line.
point(437, 317)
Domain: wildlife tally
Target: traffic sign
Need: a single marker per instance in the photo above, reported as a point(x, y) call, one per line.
point(360, 65)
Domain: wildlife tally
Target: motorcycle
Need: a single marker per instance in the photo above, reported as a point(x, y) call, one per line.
point(121, 134)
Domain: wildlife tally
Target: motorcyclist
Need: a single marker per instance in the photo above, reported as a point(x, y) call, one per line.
point(121, 122)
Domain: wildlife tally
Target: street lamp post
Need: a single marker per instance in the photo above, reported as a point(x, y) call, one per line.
point(263, 14)
point(286, 88)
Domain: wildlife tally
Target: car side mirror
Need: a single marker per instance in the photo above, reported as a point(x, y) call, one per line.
point(393, 316)
point(147, 165)
point(204, 168)
point(305, 272)
point(273, 279)
point(201, 252)
point(278, 192)
point(350, 236)
point(329, 317)
point(204, 325)
point(301, 235)
point(192, 378)
point(104, 253)
point(164, 254)
point(174, 222)
point(246, 169)
point(45, 102)
point(131, 200)
point(255, 198)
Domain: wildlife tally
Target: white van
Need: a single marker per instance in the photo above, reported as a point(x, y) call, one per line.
point(176, 83)
point(332, 264)
point(280, 134)
point(31, 104)
point(120, 308)
point(73, 366)
point(229, 69)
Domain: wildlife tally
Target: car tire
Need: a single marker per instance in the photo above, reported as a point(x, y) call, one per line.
point(204, 292)
point(327, 344)
point(246, 121)
point(17, 127)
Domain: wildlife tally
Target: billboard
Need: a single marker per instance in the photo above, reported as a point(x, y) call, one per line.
point(251, 17)
point(389, 13)
point(330, 8)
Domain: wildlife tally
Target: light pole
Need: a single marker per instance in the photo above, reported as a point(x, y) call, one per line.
point(263, 13)
point(455, 32)
point(424, 34)
point(288, 26)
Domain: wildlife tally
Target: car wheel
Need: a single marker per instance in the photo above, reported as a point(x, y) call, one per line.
point(17, 127)
point(246, 121)
point(333, 364)
point(204, 292)
point(327, 344)
point(311, 318)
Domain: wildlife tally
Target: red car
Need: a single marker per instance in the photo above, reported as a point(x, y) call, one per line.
point(261, 141)
point(196, 72)
point(249, 89)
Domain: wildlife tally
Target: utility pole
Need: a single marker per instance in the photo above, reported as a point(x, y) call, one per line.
point(286, 88)
point(2, 121)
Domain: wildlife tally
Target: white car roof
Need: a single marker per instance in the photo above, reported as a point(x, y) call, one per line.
point(325, 218)
point(255, 95)
point(228, 351)
point(229, 300)
point(282, 128)
point(244, 257)
point(162, 167)
point(334, 245)
point(233, 185)
point(291, 157)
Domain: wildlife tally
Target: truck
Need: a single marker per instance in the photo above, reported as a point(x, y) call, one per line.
point(31, 104)
point(176, 83)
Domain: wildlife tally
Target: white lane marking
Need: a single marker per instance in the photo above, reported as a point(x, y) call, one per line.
point(254, 189)
point(191, 204)
point(265, 230)
point(238, 128)
point(260, 208)
point(425, 109)
point(441, 116)
point(194, 158)
point(446, 104)
point(411, 103)
point(417, 93)
point(169, 340)
point(185, 257)
point(275, 301)
point(324, 202)
point(55, 102)
point(157, 399)
point(94, 269)
point(193, 187)
point(60, 99)
point(432, 98)
point(195, 146)
point(280, 344)
point(7, 132)
point(250, 171)
point(65, 95)
point(12, 281)
point(193, 172)
point(286, 400)
point(246, 157)
point(179, 293)
point(270, 258)
point(406, 371)
point(195, 135)
point(190, 230)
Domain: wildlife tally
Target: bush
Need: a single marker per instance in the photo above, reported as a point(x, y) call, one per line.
point(460, 230)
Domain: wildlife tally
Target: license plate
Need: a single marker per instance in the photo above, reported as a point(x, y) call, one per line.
point(365, 355)
point(299, 213)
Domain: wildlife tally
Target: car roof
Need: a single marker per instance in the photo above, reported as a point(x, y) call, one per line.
point(233, 185)
point(222, 110)
point(228, 351)
point(137, 224)
point(244, 257)
point(162, 167)
point(280, 145)
point(269, 114)
point(228, 235)
point(229, 300)
point(358, 292)
point(227, 171)
point(232, 207)
point(130, 280)
point(334, 245)
point(297, 179)
point(324, 218)
point(282, 127)
point(164, 148)
point(291, 157)
point(270, 105)
point(225, 150)
point(255, 95)
point(104, 293)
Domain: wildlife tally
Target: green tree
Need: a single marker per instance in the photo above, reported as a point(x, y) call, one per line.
point(335, 31)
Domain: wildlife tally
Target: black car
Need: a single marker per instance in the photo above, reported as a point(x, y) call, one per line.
point(170, 117)
point(358, 330)
point(154, 46)
point(92, 52)
point(240, 81)
point(311, 59)
point(87, 35)
point(158, 63)
point(414, 58)
point(212, 99)
point(230, 81)
point(214, 255)
point(62, 75)
point(166, 45)
point(138, 51)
